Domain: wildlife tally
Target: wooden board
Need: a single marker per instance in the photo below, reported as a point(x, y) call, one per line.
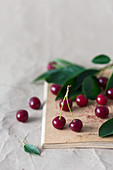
point(65, 138)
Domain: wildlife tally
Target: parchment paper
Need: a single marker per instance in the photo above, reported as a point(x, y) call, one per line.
point(31, 34)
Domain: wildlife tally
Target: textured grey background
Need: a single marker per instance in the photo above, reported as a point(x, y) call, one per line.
point(31, 34)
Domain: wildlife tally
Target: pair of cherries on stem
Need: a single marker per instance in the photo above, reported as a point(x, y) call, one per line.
point(59, 121)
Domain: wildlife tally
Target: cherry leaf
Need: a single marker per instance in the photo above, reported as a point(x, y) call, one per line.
point(106, 129)
point(31, 149)
point(101, 59)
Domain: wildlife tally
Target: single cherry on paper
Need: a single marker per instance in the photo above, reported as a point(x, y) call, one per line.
point(102, 111)
point(51, 65)
point(81, 100)
point(101, 99)
point(110, 93)
point(34, 103)
point(59, 122)
point(55, 88)
point(22, 115)
point(76, 125)
point(102, 81)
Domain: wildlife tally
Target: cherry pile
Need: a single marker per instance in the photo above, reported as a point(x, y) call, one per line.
point(65, 104)
point(22, 115)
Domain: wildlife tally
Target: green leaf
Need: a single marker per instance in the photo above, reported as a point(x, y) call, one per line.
point(106, 128)
point(90, 87)
point(62, 61)
point(101, 59)
point(58, 66)
point(64, 74)
point(74, 93)
point(60, 74)
point(45, 75)
point(31, 149)
point(109, 83)
point(76, 83)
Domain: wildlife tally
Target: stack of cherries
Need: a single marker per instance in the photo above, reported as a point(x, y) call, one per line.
point(66, 104)
point(76, 125)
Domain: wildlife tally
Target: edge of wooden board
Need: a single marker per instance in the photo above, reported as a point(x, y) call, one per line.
point(98, 145)
point(44, 114)
point(104, 145)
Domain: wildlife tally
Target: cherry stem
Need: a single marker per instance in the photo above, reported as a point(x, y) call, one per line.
point(69, 108)
point(62, 107)
point(110, 65)
point(21, 142)
point(66, 97)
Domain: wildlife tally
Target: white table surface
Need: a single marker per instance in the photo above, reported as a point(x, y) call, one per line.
point(32, 33)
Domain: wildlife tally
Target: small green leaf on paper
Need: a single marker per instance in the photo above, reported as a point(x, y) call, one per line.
point(106, 128)
point(109, 83)
point(101, 59)
point(31, 149)
point(90, 87)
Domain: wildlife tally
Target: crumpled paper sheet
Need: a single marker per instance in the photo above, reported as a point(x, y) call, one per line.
point(31, 34)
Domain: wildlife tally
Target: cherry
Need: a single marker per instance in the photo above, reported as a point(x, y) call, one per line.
point(55, 88)
point(58, 122)
point(81, 100)
point(101, 99)
point(103, 81)
point(50, 65)
point(101, 111)
point(22, 115)
point(76, 125)
point(110, 93)
point(65, 105)
point(34, 103)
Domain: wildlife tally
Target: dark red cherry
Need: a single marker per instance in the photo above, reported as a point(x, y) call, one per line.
point(76, 125)
point(58, 122)
point(55, 88)
point(65, 105)
point(50, 65)
point(34, 103)
point(81, 100)
point(110, 93)
point(103, 81)
point(101, 111)
point(101, 99)
point(22, 115)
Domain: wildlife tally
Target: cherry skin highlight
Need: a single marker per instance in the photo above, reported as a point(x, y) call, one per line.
point(50, 65)
point(76, 125)
point(55, 88)
point(65, 105)
point(81, 100)
point(101, 111)
point(59, 123)
point(110, 93)
point(101, 99)
point(103, 82)
point(22, 115)
point(34, 103)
